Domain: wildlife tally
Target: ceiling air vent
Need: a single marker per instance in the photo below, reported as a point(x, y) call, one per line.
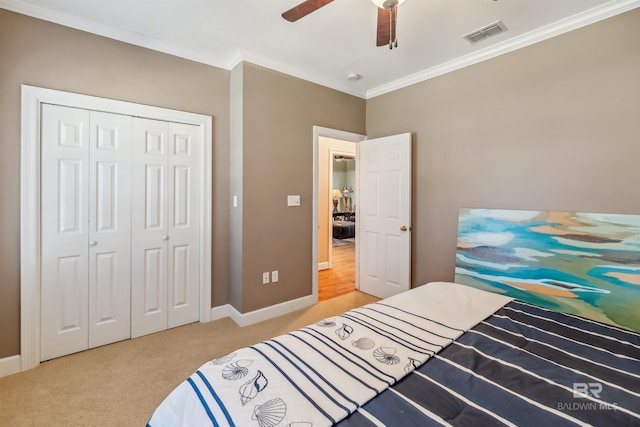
point(483, 33)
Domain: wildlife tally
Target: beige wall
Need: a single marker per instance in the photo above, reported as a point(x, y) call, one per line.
point(554, 126)
point(551, 126)
point(279, 113)
point(39, 53)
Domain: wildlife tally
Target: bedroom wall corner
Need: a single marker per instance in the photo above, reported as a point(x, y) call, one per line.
point(235, 187)
point(43, 54)
point(552, 126)
point(279, 113)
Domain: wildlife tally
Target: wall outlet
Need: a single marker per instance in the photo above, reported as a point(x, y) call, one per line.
point(265, 277)
point(274, 276)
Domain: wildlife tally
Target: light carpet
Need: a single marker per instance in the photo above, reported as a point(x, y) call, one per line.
point(122, 383)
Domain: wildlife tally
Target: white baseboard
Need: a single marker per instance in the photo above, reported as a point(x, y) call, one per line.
point(221, 311)
point(9, 365)
point(323, 266)
point(245, 319)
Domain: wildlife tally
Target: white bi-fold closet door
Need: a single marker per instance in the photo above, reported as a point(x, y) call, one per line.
point(86, 232)
point(165, 229)
point(119, 228)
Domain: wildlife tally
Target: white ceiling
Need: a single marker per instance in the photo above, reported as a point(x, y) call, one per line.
point(332, 42)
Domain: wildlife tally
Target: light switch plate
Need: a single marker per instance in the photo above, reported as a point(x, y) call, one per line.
point(293, 200)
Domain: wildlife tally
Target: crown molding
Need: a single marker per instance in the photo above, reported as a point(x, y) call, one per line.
point(93, 27)
point(574, 22)
point(234, 59)
point(301, 73)
point(228, 63)
point(596, 14)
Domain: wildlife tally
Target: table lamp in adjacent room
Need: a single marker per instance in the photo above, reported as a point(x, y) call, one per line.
point(336, 194)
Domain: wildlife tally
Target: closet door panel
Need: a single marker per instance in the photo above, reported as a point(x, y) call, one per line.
point(149, 226)
point(154, 210)
point(110, 229)
point(184, 149)
point(64, 232)
point(119, 227)
point(154, 277)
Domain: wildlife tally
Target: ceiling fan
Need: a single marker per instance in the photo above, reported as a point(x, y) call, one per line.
point(387, 17)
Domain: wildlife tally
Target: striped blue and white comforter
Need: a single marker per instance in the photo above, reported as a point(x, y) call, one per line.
point(523, 366)
point(320, 374)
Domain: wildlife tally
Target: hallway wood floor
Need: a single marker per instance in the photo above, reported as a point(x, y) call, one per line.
point(340, 279)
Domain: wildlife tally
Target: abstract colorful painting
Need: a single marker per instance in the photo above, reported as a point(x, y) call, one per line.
point(586, 264)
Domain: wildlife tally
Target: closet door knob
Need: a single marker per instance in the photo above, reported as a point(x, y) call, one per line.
point(93, 243)
point(165, 237)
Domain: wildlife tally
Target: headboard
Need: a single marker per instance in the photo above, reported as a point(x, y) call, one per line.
point(580, 263)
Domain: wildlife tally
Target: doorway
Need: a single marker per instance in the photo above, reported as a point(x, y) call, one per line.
point(339, 276)
point(387, 258)
point(334, 260)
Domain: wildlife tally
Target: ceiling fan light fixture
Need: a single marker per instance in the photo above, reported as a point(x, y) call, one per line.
point(387, 4)
point(387, 9)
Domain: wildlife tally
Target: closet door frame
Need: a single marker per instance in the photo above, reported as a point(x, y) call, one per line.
point(30, 261)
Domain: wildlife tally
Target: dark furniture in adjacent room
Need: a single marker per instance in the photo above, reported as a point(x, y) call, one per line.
point(344, 229)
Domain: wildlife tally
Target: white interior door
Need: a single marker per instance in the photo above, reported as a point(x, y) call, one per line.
point(109, 228)
point(384, 215)
point(65, 231)
point(85, 230)
point(165, 226)
point(76, 203)
point(183, 235)
point(149, 226)
point(120, 228)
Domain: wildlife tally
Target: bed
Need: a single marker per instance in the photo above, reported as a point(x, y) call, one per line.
point(519, 368)
point(533, 333)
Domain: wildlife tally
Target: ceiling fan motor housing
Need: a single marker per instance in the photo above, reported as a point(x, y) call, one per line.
point(390, 4)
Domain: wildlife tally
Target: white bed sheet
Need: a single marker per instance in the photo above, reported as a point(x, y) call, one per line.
point(322, 373)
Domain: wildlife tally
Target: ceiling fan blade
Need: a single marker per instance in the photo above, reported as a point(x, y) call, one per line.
point(386, 32)
point(303, 9)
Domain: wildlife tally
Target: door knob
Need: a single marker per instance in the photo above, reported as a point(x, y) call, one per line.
point(403, 228)
point(93, 243)
point(165, 237)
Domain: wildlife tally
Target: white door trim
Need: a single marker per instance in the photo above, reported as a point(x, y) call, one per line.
point(32, 98)
point(319, 131)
